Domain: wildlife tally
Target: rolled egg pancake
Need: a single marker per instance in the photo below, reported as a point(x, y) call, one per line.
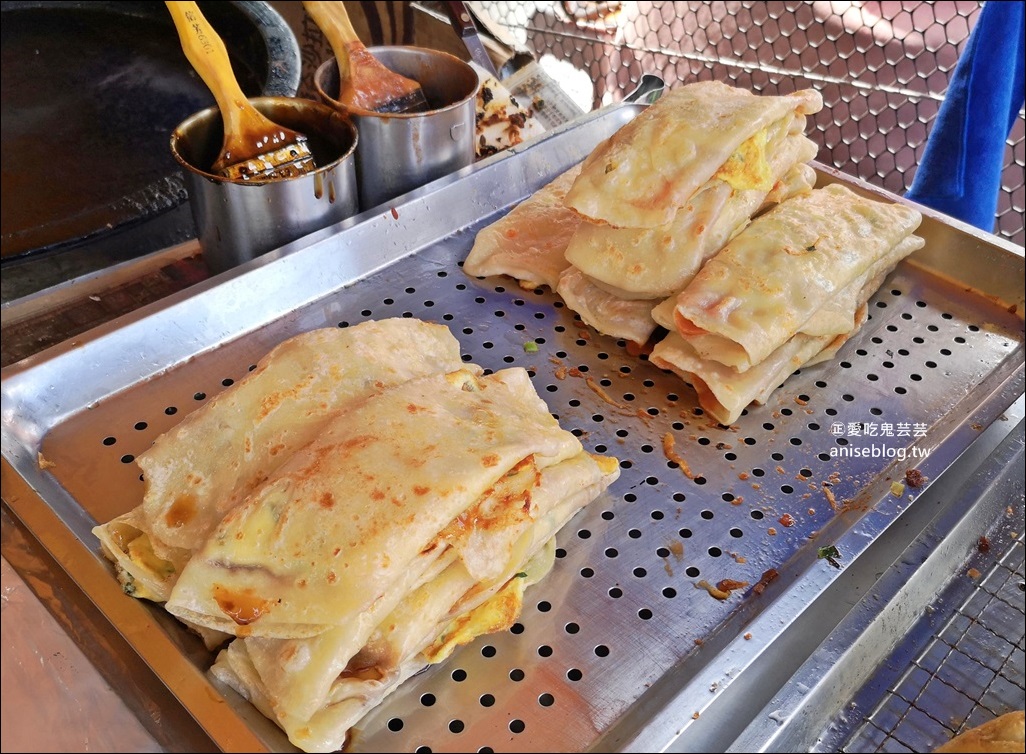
point(610, 314)
point(649, 262)
point(674, 253)
point(772, 279)
point(529, 242)
point(317, 688)
point(352, 517)
point(410, 524)
point(206, 465)
point(644, 172)
point(654, 263)
point(724, 393)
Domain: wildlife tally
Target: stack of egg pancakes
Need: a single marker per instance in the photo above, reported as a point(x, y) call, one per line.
point(696, 231)
point(357, 507)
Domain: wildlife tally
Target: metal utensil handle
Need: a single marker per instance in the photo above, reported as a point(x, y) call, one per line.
point(648, 90)
point(463, 22)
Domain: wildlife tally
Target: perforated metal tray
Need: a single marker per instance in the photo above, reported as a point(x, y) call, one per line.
point(617, 649)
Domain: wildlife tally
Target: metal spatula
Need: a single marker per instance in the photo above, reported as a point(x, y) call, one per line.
point(254, 148)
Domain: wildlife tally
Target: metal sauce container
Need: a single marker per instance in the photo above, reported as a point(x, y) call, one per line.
point(400, 151)
point(239, 220)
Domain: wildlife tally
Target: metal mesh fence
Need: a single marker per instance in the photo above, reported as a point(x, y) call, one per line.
point(969, 669)
point(882, 67)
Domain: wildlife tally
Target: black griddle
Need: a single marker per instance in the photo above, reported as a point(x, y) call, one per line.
point(91, 93)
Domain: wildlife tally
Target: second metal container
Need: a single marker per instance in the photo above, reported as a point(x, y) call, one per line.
point(400, 151)
point(239, 220)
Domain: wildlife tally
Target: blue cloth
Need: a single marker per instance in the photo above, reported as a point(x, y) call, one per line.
point(960, 173)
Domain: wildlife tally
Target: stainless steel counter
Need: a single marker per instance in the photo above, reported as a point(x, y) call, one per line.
point(684, 671)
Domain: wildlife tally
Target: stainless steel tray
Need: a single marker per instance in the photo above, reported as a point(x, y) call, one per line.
point(617, 649)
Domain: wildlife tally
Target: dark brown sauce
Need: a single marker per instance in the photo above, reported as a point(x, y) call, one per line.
point(243, 607)
point(182, 511)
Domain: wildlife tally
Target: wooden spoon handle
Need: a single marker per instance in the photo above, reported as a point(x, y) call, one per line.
point(333, 20)
point(208, 55)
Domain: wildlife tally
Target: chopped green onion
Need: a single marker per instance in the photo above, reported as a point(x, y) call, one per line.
point(531, 347)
